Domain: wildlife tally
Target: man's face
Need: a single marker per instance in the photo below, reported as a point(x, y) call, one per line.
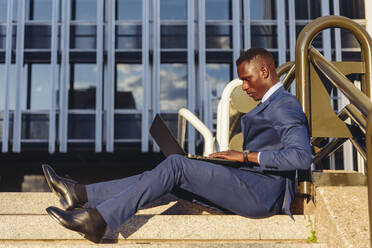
point(253, 77)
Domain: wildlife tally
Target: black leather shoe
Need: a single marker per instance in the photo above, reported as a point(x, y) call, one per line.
point(62, 187)
point(86, 221)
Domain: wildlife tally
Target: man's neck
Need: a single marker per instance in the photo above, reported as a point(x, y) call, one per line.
point(270, 91)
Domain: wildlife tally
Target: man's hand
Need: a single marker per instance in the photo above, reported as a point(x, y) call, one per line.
point(229, 155)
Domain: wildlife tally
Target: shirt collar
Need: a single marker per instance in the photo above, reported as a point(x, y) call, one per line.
point(271, 91)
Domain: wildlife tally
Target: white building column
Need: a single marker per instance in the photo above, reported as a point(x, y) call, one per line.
point(368, 13)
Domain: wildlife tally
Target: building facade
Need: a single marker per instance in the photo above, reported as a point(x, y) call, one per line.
point(93, 73)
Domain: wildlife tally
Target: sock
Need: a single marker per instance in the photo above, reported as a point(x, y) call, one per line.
point(81, 193)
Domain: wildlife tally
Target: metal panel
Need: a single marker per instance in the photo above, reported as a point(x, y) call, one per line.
point(8, 56)
point(281, 31)
point(236, 33)
point(145, 75)
point(247, 24)
point(156, 62)
point(99, 63)
point(19, 76)
point(65, 75)
point(191, 70)
point(110, 94)
point(53, 77)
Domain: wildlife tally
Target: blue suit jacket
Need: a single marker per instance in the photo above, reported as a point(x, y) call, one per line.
point(278, 129)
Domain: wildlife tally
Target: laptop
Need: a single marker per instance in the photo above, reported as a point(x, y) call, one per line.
point(169, 145)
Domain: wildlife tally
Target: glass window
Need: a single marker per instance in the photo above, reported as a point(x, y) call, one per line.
point(217, 75)
point(2, 36)
point(82, 92)
point(264, 36)
point(352, 9)
point(218, 9)
point(127, 126)
point(83, 37)
point(39, 83)
point(84, 10)
point(128, 10)
point(173, 36)
point(348, 39)
point(81, 126)
point(12, 86)
point(263, 9)
point(218, 36)
point(173, 86)
point(3, 10)
point(129, 92)
point(128, 37)
point(173, 10)
point(317, 42)
point(308, 9)
point(35, 126)
point(37, 37)
point(39, 10)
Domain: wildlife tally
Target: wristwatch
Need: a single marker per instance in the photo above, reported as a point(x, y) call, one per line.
point(245, 155)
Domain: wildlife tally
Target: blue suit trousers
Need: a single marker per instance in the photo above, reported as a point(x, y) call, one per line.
point(223, 186)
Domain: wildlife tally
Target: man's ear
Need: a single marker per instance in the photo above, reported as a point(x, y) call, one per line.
point(265, 72)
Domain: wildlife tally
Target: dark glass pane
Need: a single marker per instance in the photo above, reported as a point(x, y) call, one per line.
point(218, 75)
point(128, 10)
point(315, 9)
point(37, 37)
point(173, 36)
point(83, 37)
point(218, 9)
point(354, 9)
point(81, 126)
point(40, 87)
point(264, 36)
point(35, 126)
point(2, 37)
point(307, 9)
point(218, 36)
point(82, 92)
point(263, 9)
point(127, 126)
point(128, 37)
point(351, 56)
point(84, 10)
point(348, 39)
point(129, 93)
point(173, 86)
point(3, 10)
point(173, 10)
point(39, 10)
point(317, 42)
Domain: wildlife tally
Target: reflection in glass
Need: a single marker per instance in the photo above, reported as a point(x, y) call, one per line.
point(128, 37)
point(317, 42)
point(264, 36)
point(82, 92)
point(2, 36)
point(39, 10)
point(35, 126)
point(218, 9)
point(263, 9)
point(128, 9)
point(83, 37)
point(173, 86)
point(12, 87)
point(3, 10)
point(39, 83)
point(127, 126)
point(81, 126)
point(352, 9)
point(218, 36)
point(37, 37)
point(173, 36)
point(217, 76)
point(173, 10)
point(129, 92)
point(84, 10)
point(307, 9)
point(348, 39)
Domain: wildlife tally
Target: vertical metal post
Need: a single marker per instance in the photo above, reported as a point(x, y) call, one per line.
point(236, 34)
point(145, 75)
point(53, 77)
point(65, 75)
point(247, 24)
point(369, 170)
point(8, 63)
point(110, 89)
point(156, 62)
point(191, 70)
point(19, 76)
point(99, 79)
point(282, 47)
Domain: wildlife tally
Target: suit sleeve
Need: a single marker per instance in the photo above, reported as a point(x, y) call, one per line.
point(290, 123)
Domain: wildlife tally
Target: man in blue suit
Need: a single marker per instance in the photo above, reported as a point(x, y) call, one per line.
point(276, 144)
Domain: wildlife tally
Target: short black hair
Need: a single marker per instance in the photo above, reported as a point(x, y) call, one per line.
point(253, 53)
